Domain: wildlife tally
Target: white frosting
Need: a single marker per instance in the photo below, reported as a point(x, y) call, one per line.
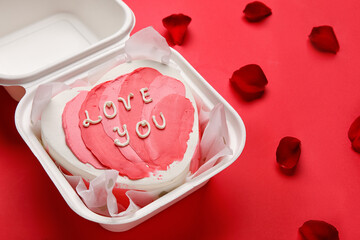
point(143, 123)
point(88, 121)
point(122, 134)
point(109, 104)
point(53, 136)
point(157, 125)
point(126, 105)
point(145, 94)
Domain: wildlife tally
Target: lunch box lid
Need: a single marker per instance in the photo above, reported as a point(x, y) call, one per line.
point(58, 35)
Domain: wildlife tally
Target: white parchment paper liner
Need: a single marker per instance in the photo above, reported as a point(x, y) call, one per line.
point(99, 197)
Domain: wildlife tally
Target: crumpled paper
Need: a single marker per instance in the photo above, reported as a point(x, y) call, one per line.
point(147, 44)
point(42, 98)
point(214, 143)
point(99, 197)
point(99, 194)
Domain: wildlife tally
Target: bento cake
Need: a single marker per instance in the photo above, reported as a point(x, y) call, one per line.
point(143, 123)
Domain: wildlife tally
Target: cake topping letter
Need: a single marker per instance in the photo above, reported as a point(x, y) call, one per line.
point(143, 123)
point(121, 134)
point(88, 121)
point(126, 105)
point(109, 104)
point(145, 94)
point(157, 125)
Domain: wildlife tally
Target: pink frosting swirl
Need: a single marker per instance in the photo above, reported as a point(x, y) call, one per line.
point(94, 144)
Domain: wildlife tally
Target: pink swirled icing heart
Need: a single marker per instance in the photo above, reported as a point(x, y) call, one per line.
point(137, 124)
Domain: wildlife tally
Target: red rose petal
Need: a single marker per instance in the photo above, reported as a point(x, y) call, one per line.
point(354, 134)
point(256, 11)
point(318, 230)
point(323, 38)
point(354, 130)
point(177, 25)
point(288, 154)
point(356, 144)
point(249, 81)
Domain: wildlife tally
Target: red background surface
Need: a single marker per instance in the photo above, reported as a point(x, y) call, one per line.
point(311, 95)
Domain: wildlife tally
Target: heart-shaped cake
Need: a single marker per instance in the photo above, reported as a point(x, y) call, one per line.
point(139, 119)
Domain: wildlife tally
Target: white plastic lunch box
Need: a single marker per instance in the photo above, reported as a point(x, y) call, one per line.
point(61, 41)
